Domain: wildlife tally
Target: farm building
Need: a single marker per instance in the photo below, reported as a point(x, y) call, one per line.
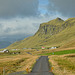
point(4, 51)
point(43, 47)
point(53, 47)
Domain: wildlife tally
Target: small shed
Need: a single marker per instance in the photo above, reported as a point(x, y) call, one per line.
point(43, 47)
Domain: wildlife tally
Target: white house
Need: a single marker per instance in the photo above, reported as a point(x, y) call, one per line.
point(5, 50)
point(53, 47)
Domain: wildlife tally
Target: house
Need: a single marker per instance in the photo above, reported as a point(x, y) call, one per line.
point(53, 47)
point(4, 51)
point(43, 47)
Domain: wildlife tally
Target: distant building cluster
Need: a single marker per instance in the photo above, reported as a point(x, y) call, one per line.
point(49, 48)
point(53, 47)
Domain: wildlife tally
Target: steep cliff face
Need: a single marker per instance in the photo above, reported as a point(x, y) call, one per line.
point(51, 27)
point(54, 26)
point(56, 32)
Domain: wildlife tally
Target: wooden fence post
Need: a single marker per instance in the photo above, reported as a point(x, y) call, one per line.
point(3, 71)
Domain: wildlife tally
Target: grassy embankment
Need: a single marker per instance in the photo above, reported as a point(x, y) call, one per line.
point(16, 62)
point(63, 64)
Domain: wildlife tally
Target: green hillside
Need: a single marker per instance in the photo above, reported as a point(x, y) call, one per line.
point(56, 32)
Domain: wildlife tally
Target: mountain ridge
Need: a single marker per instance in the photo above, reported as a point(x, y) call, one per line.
point(56, 32)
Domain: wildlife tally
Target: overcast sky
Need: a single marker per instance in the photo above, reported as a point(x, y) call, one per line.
point(23, 17)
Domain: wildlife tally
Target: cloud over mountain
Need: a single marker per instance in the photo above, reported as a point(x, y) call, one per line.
point(23, 17)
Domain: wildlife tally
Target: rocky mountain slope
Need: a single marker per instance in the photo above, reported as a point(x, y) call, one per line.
point(56, 32)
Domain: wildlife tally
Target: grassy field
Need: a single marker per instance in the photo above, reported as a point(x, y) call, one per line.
point(63, 64)
point(19, 62)
point(16, 62)
point(60, 52)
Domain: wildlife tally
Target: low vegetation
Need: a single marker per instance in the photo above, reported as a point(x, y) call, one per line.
point(16, 62)
point(11, 66)
point(60, 52)
point(63, 64)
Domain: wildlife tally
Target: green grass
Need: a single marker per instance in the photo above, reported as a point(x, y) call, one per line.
point(60, 52)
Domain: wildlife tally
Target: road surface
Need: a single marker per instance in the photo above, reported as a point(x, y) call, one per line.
point(40, 68)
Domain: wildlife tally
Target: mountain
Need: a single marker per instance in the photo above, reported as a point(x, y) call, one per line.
point(56, 32)
point(4, 44)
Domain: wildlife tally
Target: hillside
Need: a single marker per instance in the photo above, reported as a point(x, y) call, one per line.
point(56, 32)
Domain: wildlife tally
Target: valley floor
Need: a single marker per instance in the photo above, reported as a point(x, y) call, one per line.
point(62, 64)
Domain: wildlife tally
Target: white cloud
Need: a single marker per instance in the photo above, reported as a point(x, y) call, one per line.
point(17, 26)
point(25, 26)
point(24, 12)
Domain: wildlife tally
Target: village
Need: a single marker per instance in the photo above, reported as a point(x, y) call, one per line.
point(17, 51)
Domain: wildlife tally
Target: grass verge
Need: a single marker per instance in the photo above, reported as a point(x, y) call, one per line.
point(60, 52)
point(63, 64)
